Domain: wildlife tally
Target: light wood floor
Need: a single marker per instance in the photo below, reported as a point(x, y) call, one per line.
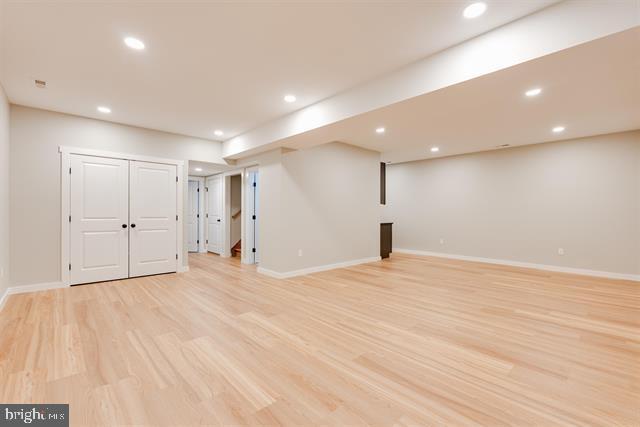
point(407, 341)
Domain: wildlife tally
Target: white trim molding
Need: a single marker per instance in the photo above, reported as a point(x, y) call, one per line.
point(310, 270)
point(29, 288)
point(545, 267)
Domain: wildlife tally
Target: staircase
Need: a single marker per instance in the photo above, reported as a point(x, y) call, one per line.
point(237, 249)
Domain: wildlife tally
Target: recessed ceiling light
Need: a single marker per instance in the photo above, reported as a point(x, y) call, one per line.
point(198, 169)
point(289, 98)
point(380, 130)
point(103, 109)
point(533, 92)
point(134, 43)
point(218, 132)
point(558, 129)
point(474, 10)
point(435, 149)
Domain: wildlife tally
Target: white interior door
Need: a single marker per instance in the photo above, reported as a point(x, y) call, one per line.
point(153, 213)
point(99, 208)
point(214, 214)
point(193, 216)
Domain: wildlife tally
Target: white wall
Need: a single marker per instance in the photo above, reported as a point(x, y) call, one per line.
point(4, 192)
point(522, 204)
point(330, 206)
point(35, 178)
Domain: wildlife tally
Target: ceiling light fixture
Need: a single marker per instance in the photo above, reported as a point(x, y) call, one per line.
point(103, 109)
point(533, 92)
point(435, 149)
point(289, 98)
point(134, 43)
point(474, 10)
point(380, 130)
point(198, 169)
point(558, 129)
point(218, 132)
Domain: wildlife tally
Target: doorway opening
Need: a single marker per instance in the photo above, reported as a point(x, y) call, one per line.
point(235, 215)
point(222, 211)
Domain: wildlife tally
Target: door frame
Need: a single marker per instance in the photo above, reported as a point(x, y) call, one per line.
point(202, 199)
point(65, 197)
point(247, 223)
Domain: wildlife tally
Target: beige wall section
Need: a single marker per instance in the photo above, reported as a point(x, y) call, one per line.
point(4, 192)
point(522, 204)
point(236, 205)
point(322, 200)
point(35, 177)
point(330, 206)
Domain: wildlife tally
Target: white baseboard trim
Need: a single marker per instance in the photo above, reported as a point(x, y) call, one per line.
point(3, 298)
point(183, 269)
point(305, 271)
point(30, 288)
point(546, 267)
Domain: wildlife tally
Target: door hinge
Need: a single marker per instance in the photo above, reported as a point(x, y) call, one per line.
point(176, 217)
point(176, 179)
point(198, 241)
point(198, 190)
point(253, 217)
point(253, 249)
point(69, 218)
point(207, 215)
point(206, 189)
point(176, 256)
point(207, 241)
point(69, 171)
point(69, 267)
point(254, 184)
point(198, 216)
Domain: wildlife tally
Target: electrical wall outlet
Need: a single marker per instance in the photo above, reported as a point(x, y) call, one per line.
point(560, 251)
point(441, 241)
point(299, 252)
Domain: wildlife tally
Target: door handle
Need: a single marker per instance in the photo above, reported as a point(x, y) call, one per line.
point(124, 225)
point(133, 226)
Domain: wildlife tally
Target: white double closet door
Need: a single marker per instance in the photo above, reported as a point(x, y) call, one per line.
point(123, 219)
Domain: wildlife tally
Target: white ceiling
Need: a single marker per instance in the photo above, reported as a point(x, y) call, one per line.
point(207, 169)
point(590, 89)
point(219, 65)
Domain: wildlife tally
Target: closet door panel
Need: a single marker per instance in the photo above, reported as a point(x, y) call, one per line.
point(153, 221)
point(99, 207)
